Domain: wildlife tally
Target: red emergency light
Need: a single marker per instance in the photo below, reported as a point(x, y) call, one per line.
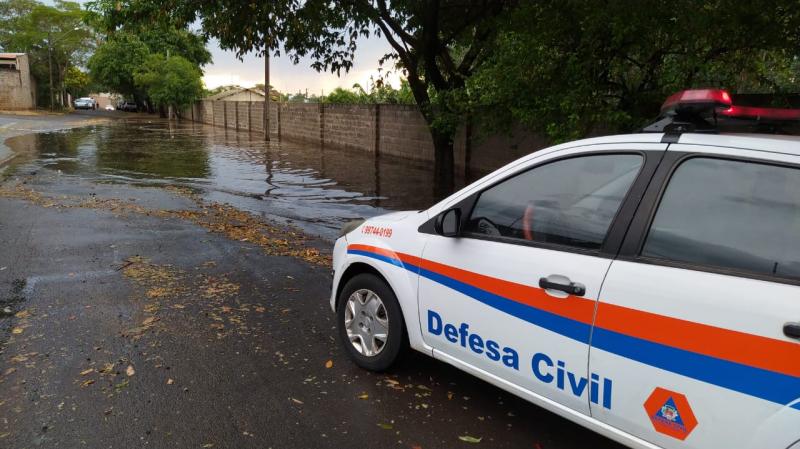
point(698, 97)
point(721, 103)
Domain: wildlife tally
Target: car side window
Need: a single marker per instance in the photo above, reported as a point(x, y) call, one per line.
point(730, 214)
point(567, 202)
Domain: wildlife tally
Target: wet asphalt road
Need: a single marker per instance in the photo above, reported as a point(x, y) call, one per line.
point(134, 329)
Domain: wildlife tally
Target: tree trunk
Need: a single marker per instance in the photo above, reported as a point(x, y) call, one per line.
point(444, 164)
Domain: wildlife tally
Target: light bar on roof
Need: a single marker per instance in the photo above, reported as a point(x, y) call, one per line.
point(698, 97)
point(719, 101)
point(780, 114)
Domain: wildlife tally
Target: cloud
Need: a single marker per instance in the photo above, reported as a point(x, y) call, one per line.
point(287, 77)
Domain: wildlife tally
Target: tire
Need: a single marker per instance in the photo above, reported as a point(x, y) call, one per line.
point(396, 340)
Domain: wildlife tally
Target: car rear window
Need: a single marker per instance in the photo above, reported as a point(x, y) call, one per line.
point(729, 214)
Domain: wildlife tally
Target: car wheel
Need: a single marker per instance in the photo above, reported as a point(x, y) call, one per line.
point(370, 323)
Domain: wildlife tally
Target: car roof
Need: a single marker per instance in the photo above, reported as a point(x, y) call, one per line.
point(773, 143)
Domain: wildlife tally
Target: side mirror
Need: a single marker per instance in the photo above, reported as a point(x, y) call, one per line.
point(448, 223)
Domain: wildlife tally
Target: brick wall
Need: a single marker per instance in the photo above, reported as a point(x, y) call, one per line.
point(301, 121)
point(349, 127)
point(404, 133)
point(387, 129)
point(16, 86)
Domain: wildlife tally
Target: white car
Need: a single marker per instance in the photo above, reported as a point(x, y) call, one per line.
point(84, 103)
point(646, 286)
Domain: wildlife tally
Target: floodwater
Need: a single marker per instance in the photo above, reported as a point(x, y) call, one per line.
point(317, 189)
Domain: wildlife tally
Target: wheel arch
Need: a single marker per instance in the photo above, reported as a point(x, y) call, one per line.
point(353, 270)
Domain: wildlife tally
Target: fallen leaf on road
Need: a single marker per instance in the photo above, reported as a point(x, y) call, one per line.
point(170, 381)
point(470, 439)
point(329, 364)
point(385, 426)
point(87, 371)
point(208, 445)
point(363, 396)
point(108, 368)
point(17, 330)
point(130, 371)
point(449, 395)
point(87, 383)
point(121, 385)
point(23, 357)
point(261, 309)
point(149, 320)
point(9, 371)
point(297, 401)
point(22, 314)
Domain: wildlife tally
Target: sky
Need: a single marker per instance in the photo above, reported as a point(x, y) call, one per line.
point(226, 69)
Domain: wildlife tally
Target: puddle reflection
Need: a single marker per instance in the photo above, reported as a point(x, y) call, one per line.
point(317, 189)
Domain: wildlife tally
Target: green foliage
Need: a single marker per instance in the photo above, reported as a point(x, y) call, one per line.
point(127, 61)
point(173, 81)
point(77, 83)
point(438, 45)
point(28, 26)
point(159, 36)
point(568, 68)
point(116, 60)
point(302, 97)
point(379, 93)
point(344, 96)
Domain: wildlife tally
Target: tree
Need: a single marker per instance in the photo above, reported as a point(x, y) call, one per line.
point(47, 33)
point(76, 82)
point(130, 46)
point(438, 44)
point(173, 81)
point(344, 96)
point(568, 68)
point(379, 93)
point(116, 60)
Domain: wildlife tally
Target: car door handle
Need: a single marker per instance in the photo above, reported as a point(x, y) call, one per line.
point(792, 330)
point(563, 284)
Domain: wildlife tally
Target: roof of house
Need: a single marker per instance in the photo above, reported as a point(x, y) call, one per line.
point(234, 91)
point(10, 55)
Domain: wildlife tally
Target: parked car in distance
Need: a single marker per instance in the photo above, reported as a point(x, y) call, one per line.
point(84, 103)
point(128, 106)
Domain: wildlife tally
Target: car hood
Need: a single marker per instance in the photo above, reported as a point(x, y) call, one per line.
point(394, 216)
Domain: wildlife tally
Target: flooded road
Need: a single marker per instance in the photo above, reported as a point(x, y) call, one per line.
point(317, 189)
point(138, 316)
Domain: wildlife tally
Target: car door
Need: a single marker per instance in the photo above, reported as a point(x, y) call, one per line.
point(697, 320)
point(512, 298)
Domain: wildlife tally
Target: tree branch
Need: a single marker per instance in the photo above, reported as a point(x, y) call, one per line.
point(384, 14)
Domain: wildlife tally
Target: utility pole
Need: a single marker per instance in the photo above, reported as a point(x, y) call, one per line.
point(266, 93)
point(50, 66)
point(50, 60)
point(169, 108)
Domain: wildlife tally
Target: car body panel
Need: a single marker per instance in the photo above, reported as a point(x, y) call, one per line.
point(725, 416)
